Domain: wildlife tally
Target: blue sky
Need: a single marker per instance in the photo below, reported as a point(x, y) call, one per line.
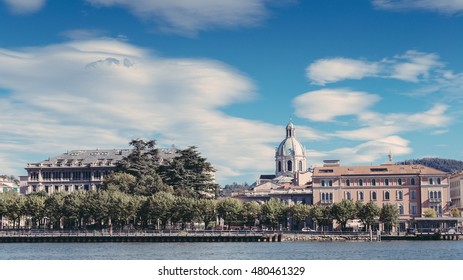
point(358, 78)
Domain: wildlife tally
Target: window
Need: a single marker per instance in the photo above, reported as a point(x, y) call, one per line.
point(290, 165)
point(373, 195)
point(430, 181)
point(323, 196)
point(360, 182)
point(387, 195)
point(413, 194)
point(373, 182)
point(438, 181)
point(348, 196)
point(401, 209)
point(412, 181)
point(399, 195)
point(386, 182)
point(323, 183)
point(300, 165)
point(331, 196)
point(439, 194)
point(348, 182)
point(360, 196)
point(399, 182)
point(413, 209)
point(330, 183)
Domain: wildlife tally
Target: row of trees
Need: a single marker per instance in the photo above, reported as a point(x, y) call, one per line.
point(99, 209)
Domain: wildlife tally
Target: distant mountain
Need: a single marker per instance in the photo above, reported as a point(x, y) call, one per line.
point(446, 165)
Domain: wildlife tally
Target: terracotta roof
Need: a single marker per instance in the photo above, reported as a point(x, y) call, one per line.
point(376, 170)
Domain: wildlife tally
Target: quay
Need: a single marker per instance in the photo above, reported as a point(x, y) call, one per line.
point(67, 237)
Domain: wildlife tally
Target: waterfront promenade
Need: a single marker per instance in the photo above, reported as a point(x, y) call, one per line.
point(31, 236)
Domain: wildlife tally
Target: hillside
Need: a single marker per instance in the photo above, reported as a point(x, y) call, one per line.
point(446, 165)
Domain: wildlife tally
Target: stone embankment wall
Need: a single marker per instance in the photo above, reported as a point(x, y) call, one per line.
point(316, 237)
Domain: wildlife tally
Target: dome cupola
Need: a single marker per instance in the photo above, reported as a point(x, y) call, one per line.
point(290, 156)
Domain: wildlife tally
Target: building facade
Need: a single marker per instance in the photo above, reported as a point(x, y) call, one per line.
point(78, 170)
point(412, 188)
point(456, 190)
point(7, 185)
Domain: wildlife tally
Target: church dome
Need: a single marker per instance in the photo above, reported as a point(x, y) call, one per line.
point(290, 156)
point(290, 146)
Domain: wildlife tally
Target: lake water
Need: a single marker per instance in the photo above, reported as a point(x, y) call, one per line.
point(385, 250)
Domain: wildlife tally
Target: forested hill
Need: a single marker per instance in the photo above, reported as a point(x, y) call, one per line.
point(446, 165)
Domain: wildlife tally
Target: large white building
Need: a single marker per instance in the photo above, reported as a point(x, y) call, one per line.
point(78, 169)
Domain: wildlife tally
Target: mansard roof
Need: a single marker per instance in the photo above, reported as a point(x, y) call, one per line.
point(387, 169)
point(105, 157)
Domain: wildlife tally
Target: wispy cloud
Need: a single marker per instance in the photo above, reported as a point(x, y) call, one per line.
point(445, 6)
point(24, 6)
point(189, 17)
point(102, 93)
point(327, 104)
point(325, 71)
point(412, 66)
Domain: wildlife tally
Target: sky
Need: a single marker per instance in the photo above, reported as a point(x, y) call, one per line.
point(357, 78)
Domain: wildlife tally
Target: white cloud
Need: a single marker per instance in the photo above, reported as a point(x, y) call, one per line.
point(374, 151)
point(189, 17)
point(412, 66)
point(24, 6)
point(416, 65)
point(325, 71)
point(327, 104)
point(103, 93)
point(443, 6)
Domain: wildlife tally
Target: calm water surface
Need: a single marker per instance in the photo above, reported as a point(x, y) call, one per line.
point(386, 250)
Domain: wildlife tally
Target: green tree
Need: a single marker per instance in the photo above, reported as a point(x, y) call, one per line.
point(321, 215)
point(97, 207)
point(206, 210)
point(35, 208)
point(190, 174)
point(54, 209)
point(159, 207)
point(299, 213)
point(251, 213)
point(121, 208)
point(183, 210)
point(229, 209)
point(274, 211)
point(15, 208)
point(344, 211)
point(120, 181)
point(368, 214)
point(73, 210)
point(142, 163)
point(389, 215)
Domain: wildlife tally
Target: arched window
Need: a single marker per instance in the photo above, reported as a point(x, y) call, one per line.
point(330, 183)
point(430, 181)
point(401, 209)
point(373, 195)
point(360, 182)
point(399, 182)
point(413, 181)
point(400, 195)
point(373, 182)
point(386, 182)
point(431, 195)
point(348, 196)
point(323, 196)
point(438, 181)
point(347, 182)
point(300, 165)
point(360, 196)
point(387, 196)
point(290, 165)
point(439, 194)
point(279, 166)
point(331, 196)
point(323, 183)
